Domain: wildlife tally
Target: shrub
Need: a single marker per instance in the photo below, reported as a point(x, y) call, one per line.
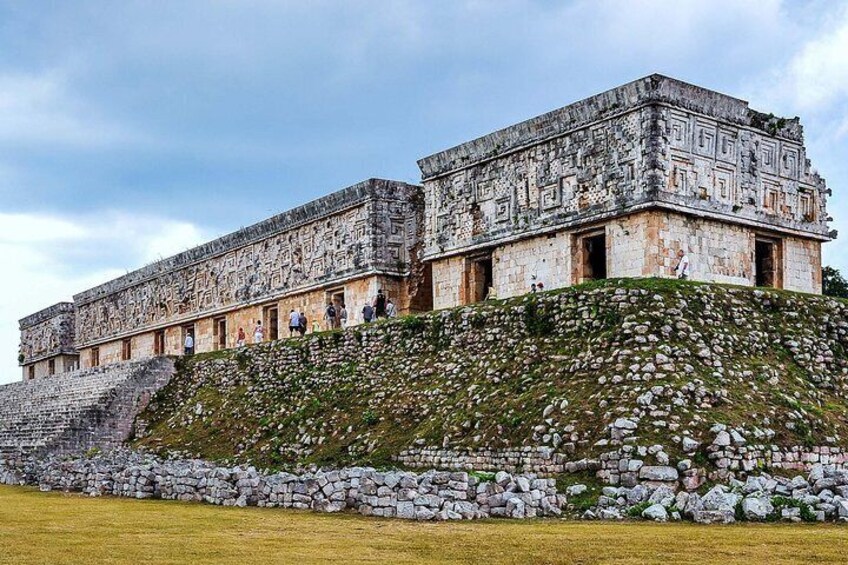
point(369, 417)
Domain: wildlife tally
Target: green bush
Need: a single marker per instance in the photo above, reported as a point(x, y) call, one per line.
point(369, 417)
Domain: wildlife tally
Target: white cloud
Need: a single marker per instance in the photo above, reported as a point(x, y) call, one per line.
point(41, 108)
point(817, 76)
point(47, 259)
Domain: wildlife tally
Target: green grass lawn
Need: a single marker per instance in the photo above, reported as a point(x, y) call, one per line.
point(64, 528)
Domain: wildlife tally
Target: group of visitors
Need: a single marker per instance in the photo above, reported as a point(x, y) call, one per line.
point(382, 307)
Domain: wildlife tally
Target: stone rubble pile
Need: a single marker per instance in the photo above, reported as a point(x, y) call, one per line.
point(432, 495)
point(820, 496)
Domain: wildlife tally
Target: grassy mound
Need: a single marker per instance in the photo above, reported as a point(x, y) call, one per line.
point(550, 369)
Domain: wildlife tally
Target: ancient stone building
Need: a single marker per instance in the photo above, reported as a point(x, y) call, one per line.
point(340, 248)
point(615, 185)
point(612, 186)
point(47, 342)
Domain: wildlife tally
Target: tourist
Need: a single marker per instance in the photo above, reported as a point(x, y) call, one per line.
point(540, 287)
point(533, 288)
point(391, 309)
point(302, 321)
point(343, 316)
point(380, 304)
point(682, 268)
point(330, 316)
point(367, 313)
point(189, 344)
point(491, 294)
point(294, 322)
point(258, 332)
point(241, 338)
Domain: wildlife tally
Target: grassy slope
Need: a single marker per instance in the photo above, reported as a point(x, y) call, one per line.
point(58, 529)
point(486, 379)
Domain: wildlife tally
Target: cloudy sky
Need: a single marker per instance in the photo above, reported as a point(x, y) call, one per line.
point(133, 130)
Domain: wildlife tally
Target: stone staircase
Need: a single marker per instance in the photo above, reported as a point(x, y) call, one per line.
point(77, 411)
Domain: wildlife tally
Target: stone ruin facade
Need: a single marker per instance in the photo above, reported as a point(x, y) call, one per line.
point(615, 185)
point(47, 342)
point(611, 186)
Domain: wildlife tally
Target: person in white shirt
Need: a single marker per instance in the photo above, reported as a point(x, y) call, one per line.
point(391, 309)
point(189, 344)
point(294, 322)
point(682, 268)
point(343, 316)
point(258, 332)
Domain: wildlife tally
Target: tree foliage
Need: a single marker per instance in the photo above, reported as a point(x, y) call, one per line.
point(833, 283)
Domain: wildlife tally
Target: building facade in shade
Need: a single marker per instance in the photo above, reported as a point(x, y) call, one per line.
point(47, 342)
point(615, 186)
point(612, 186)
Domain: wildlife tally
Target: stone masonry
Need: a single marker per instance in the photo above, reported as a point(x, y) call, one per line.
point(654, 166)
point(434, 495)
point(76, 411)
point(47, 342)
point(612, 186)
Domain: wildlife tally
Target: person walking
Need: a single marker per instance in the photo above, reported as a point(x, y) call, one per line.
point(241, 338)
point(294, 322)
point(380, 304)
point(682, 268)
point(367, 313)
point(258, 332)
point(343, 316)
point(189, 344)
point(330, 316)
point(391, 309)
point(302, 321)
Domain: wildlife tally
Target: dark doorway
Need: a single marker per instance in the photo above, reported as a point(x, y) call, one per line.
point(126, 350)
point(220, 330)
point(480, 278)
point(272, 322)
point(595, 257)
point(159, 343)
point(766, 268)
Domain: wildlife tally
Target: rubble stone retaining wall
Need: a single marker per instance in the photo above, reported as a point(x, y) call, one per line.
point(432, 495)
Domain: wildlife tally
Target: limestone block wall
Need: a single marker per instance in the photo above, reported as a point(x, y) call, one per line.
point(545, 259)
point(48, 335)
point(655, 143)
point(76, 411)
point(369, 228)
point(724, 253)
point(448, 282)
point(802, 265)
point(432, 495)
point(357, 292)
point(62, 363)
point(582, 175)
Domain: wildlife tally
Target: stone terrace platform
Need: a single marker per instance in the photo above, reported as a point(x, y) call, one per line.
point(77, 411)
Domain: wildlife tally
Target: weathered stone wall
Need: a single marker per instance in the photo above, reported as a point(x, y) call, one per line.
point(357, 292)
point(76, 411)
point(726, 170)
point(62, 363)
point(369, 228)
point(738, 172)
point(434, 495)
point(582, 175)
point(47, 334)
point(544, 259)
